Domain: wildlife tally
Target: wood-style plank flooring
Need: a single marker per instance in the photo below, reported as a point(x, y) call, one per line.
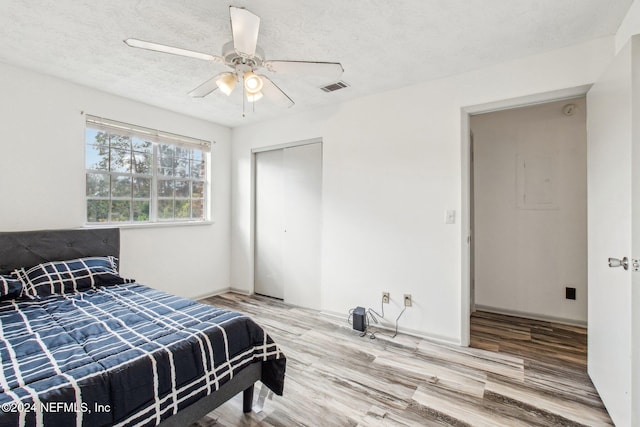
point(533, 340)
point(533, 375)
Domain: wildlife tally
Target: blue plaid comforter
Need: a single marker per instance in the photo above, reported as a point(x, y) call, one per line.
point(121, 355)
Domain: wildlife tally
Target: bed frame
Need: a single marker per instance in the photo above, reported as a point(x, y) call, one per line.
point(29, 248)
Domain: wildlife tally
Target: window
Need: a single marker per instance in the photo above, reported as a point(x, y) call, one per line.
point(137, 175)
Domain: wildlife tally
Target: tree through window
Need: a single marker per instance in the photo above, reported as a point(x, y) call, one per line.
point(134, 177)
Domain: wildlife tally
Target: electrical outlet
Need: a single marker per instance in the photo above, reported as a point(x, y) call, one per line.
point(570, 292)
point(385, 297)
point(407, 300)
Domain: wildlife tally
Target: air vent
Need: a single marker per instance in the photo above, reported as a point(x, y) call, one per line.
point(334, 86)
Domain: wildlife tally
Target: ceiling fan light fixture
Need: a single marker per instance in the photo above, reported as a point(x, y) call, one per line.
point(253, 97)
point(244, 57)
point(252, 83)
point(226, 82)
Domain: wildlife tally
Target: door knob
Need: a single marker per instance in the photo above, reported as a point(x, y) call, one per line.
point(615, 262)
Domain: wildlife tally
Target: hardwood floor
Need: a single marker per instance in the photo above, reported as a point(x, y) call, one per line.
point(533, 340)
point(534, 375)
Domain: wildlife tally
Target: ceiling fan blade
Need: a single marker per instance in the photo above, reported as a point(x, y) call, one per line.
point(244, 28)
point(274, 93)
point(156, 47)
point(205, 88)
point(330, 70)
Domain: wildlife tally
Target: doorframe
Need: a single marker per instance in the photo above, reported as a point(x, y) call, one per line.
point(465, 168)
point(252, 207)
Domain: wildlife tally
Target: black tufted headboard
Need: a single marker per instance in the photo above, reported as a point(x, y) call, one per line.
point(29, 248)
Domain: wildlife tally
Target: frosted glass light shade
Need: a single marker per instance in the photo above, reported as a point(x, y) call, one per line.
point(226, 82)
point(253, 97)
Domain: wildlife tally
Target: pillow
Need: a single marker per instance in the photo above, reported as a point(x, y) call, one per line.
point(64, 277)
point(10, 287)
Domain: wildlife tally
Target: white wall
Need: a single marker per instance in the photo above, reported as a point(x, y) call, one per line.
point(526, 253)
point(392, 166)
point(630, 25)
point(42, 178)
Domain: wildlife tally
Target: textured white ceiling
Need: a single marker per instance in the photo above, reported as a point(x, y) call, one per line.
point(382, 44)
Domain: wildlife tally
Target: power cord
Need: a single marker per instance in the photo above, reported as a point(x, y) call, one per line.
point(373, 334)
point(372, 313)
point(372, 316)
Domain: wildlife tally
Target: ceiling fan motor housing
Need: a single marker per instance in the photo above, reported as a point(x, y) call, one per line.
point(241, 62)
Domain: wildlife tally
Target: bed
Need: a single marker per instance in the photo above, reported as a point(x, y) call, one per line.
point(98, 349)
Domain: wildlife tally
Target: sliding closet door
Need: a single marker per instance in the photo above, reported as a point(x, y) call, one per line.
point(269, 231)
point(288, 221)
point(302, 199)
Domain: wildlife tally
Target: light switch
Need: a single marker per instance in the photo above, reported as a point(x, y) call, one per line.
point(450, 217)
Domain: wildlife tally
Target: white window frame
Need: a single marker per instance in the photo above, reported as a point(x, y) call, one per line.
point(157, 138)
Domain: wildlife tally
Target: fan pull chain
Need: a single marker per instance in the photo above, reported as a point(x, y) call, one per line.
point(244, 95)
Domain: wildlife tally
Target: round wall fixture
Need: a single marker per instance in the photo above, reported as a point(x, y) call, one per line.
point(569, 109)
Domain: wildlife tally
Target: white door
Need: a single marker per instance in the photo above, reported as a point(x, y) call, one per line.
point(613, 153)
point(303, 184)
point(269, 225)
point(288, 224)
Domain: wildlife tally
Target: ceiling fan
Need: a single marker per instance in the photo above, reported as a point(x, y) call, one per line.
point(245, 58)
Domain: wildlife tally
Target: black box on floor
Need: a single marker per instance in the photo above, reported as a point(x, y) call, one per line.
point(359, 319)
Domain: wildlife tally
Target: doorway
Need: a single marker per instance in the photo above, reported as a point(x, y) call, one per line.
point(288, 184)
point(529, 211)
point(466, 236)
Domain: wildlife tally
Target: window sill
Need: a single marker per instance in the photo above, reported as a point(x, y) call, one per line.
point(150, 224)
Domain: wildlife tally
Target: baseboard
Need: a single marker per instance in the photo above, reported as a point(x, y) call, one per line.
point(401, 330)
point(343, 316)
point(212, 294)
point(533, 316)
point(220, 292)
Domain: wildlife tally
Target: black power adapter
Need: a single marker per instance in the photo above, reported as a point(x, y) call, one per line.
point(359, 319)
